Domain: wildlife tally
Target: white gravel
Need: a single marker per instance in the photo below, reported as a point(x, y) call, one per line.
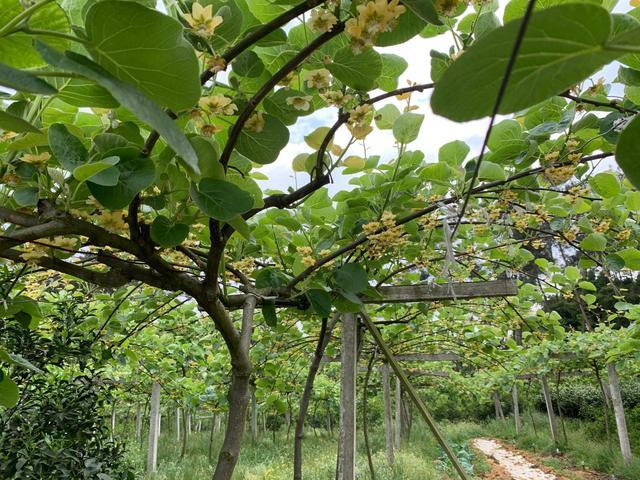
point(518, 467)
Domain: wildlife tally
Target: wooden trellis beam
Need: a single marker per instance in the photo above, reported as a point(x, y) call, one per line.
point(409, 293)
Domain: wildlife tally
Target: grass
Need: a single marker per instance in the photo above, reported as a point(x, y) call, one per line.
point(419, 459)
point(266, 460)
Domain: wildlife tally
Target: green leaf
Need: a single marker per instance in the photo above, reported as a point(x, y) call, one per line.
point(276, 104)
point(392, 67)
point(407, 127)
point(320, 301)
point(351, 278)
point(17, 49)
point(166, 233)
point(631, 257)
point(248, 64)
point(587, 286)
point(605, 184)
point(143, 47)
point(128, 96)
point(491, 171)
point(357, 71)
point(454, 153)
point(220, 199)
point(270, 277)
point(409, 25)
point(628, 151)
point(13, 123)
point(81, 92)
point(241, 226)
point(23, 81)
point(563, 46)
point(595, 242)
point(101, 172)
point(9, 393)
point(67, 148)
point(264, 147)
point(425, 9)
point(386, 116)
point(439, 173)
point(136, 174)
point(269, 314)
point(315, 138)
point(26, 196)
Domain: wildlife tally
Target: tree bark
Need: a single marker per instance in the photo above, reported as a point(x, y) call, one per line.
point(618, 409)
point(553, 424)
point(388, 421)
point(152, 454)
point(323, 340)
point(238, 396)
point(349, 362)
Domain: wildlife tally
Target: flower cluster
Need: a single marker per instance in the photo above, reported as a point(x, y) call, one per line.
point(374, 18)
point(218, 105)
point(300, 103)
point(322, 20)
point(520, 222)
point(246, 265)
point(538, 243)
point(576, 192)
point(255, 123)
point(623, 235)
point(601, 226)
point(560, 174)
point(359, 123)
point(429, 222)
point(391, 236)
point(202, 20)
point(307, 256)
point(112, 221)
point(319, 79)
point(335, 98)
point(571, 234)
point(39, 160)
point(32, 252)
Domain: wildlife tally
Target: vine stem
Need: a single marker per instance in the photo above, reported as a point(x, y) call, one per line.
point(10, 26)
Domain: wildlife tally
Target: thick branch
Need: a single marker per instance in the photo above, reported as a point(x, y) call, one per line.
point(113, 279)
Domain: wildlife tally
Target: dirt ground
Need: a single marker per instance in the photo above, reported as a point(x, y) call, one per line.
point(507, 463)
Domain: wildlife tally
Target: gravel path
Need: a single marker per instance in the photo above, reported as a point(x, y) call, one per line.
point(516, 465)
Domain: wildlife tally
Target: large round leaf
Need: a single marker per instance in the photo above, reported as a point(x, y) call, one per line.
point(220, 199)
point(135, 175)
point(67, 148)
point(166, 233)
point(563, 46)
point(359, 71)
point(264, 146)
point(145, 48)
point(351, 278)
point(628, 152)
